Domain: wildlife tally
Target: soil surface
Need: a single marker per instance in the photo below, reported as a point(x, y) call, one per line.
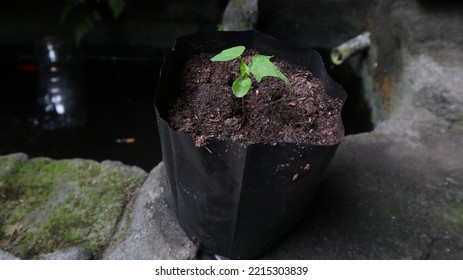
point(271, 112)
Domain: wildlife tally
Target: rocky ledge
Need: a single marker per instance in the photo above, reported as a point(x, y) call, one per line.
point(82, 209)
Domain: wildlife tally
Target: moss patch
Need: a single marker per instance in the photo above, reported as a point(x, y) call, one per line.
point(47, 205)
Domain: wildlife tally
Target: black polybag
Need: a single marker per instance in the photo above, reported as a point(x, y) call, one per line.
point(236, 200)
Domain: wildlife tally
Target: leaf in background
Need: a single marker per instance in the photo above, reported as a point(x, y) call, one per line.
point(241, 86)
point(229, 54)
point(68, 6)
point(85, 25)
point(261, 66)
point(117, 7)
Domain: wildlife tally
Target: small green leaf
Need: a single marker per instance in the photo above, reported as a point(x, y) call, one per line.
point(117, 7)
point(261, 66)
point(244, 68)
point(69, 5)
point(241, 86)
point(85, 25)
point(229, 54)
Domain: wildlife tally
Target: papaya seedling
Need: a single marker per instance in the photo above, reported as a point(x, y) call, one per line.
point(260, 67)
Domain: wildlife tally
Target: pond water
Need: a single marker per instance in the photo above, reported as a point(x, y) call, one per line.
point(120, 112)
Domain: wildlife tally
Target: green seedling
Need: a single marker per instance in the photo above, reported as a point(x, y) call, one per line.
point(260, 67)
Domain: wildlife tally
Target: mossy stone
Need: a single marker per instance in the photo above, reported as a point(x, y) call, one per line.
point(48, 204)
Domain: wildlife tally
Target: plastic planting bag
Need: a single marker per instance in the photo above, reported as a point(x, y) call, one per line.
point(236, 200)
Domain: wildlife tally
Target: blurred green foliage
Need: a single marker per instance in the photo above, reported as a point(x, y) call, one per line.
point(88, 13)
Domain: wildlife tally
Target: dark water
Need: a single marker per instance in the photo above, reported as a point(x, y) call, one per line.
point(120, 112)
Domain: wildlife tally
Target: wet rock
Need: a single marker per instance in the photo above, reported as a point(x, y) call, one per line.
point(153, 230)
point(74, 253)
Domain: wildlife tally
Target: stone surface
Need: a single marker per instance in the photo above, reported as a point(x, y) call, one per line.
point(7, 164)
point(46, 205)
point(153, 231)
point(7, 256)
point(432, 81)
point(74, 253)
point(240, 15)
point(387, 195)
point(418, 62)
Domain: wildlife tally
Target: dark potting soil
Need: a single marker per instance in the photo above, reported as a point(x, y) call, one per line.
point(271, 112)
